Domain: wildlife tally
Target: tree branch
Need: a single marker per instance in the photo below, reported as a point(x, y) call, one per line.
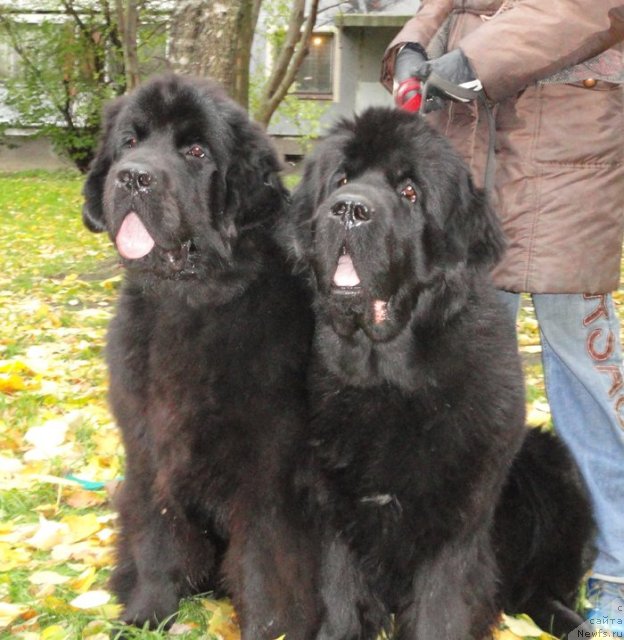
point(293, 36)
point(285, 72)
point(255, 13)
point(70, 10)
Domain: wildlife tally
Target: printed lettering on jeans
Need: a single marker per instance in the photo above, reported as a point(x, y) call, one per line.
point(601, 346)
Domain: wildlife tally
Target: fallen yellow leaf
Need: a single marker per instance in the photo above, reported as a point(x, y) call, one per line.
point(15, 366)
point(522, 626)
point(49, 534)
point(223, 622)
point(10, 467)
point(10, 612)
point(531, 348)
point(91, 600)
point(81, 527)
point(43, 591)
point(58, 605)
point(111, 611)
point(10, 383)
point(538, 414)
point(180, 628)
point(55, 632)
point(12, 557)
point(81, 498)
point(84, 581)
point(505, 634)
point(86, 552)
point(111, 283)
point(49, 440)
point(47, 578)
point(94, 629)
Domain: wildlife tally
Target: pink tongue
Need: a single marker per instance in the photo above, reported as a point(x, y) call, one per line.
point(345, 275)
point(133, 240)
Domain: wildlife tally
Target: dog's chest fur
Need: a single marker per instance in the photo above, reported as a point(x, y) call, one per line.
point(389, 432)
point(201, 380)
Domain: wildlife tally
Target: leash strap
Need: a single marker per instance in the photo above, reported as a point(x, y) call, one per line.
point(426, 104)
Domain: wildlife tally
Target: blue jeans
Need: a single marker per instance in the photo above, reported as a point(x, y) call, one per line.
point(582, 359)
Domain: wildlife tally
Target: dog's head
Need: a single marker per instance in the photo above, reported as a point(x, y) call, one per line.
point(389, 221)
point(180, 177)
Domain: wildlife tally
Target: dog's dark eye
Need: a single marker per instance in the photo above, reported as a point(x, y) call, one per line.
point(130, 143)
point(196, 151)
point(409, 193)
point(343, 181)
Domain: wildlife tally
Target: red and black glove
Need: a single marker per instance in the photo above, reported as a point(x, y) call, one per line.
point(410, 70)
point(449, 77)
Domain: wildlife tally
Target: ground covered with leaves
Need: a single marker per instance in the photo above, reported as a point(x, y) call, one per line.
point(60, 454)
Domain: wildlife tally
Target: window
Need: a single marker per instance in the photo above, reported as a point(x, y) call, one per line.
point(315, 76)
point(9, 59)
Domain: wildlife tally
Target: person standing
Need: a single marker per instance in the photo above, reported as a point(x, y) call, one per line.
point(548, 76)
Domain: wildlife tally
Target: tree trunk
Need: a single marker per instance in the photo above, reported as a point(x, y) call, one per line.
point(213, 38)
point(128, 21)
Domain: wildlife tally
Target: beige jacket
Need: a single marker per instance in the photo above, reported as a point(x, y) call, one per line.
point(559, 130)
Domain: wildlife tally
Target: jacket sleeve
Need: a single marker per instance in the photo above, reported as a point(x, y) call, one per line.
point(421, 28)
point(536, 38)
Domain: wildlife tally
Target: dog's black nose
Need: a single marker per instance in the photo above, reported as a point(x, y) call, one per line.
point(352, 212)
point(134, 178)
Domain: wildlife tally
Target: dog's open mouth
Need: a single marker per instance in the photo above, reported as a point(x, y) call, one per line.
point(346, 279)
point(346, 282)
point(134, 242)
point(181, 259)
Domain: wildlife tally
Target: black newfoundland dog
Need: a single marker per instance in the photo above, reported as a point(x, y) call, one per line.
point(417, 401)
point(207, 357)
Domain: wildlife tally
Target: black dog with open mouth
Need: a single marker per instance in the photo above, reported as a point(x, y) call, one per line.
point(417, 399)
point(207, 356)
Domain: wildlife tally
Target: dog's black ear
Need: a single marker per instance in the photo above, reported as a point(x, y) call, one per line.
point(302, 207)
point(252, 191)
point(93, 190)
point(319, 179)
point(476, 224)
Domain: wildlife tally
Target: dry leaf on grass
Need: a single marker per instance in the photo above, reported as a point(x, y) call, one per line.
point(10, 612)
point(48, 578)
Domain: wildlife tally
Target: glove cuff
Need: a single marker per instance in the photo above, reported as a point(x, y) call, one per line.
point(414, 46)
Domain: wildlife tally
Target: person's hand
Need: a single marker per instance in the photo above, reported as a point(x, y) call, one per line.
point(410, 69)
point(410, 62)
point(451, 77)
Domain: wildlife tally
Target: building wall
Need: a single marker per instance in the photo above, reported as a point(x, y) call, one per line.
point(358, 55)
point(23, 153)
point(371, 45)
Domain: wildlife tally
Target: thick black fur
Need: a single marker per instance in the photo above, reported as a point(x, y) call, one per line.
point(543, 534)
point(417, 395)
point(207, 357)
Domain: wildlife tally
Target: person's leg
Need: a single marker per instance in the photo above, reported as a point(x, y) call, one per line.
point(582, 359)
